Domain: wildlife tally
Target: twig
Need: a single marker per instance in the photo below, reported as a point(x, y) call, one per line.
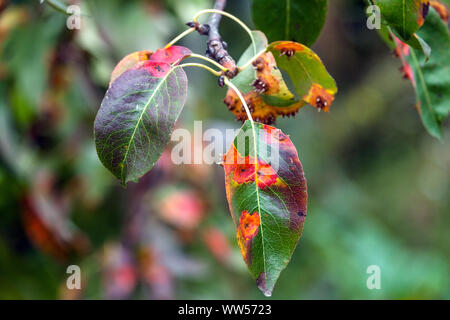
point(216, 48)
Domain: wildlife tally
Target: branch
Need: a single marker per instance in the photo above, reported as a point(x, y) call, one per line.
point(216, 48)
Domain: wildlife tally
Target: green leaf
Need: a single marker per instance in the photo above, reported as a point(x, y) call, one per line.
point(405, 17)
point(296, 20)
point(311, 80)
point(266, 192)
point(136, 118)
point(432, 78)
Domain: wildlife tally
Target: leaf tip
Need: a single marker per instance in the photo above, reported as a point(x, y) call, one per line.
point(262, 285)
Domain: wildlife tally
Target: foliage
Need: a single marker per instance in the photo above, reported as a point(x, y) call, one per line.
point(168, 235)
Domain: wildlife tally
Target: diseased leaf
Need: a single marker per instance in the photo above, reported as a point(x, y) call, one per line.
point(263, 87)
point(266, 192)
point(129, 61)
point(136, 118)
point(296, 20)
point(311, 80)
point(405, 17)
point(244, 79)
point(431, 79)
point(270, 83)
point(261, 110)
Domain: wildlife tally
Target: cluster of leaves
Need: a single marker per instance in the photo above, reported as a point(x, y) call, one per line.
point(147, 93)
point(169, 236)
point(417, 31)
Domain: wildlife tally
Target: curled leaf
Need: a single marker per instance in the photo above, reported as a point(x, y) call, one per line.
point(261, 111)
point(266, 192)
point(312, 82)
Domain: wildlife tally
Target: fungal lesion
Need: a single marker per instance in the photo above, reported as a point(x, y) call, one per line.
point(319, 97)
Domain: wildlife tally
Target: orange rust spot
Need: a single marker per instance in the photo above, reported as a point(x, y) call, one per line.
point(246, 231)
point(248, 225)
point(266, 82)
point(266, 175)
point(319, 97)
point(289, 46)
point(242, 170)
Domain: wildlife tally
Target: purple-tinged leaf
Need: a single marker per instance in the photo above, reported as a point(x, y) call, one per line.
point(137, 116)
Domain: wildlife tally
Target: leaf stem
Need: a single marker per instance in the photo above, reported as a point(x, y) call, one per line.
point(249, 62)
point(247, 110)
point(191, 64)
point(218, 65)
point(180, 36)
point(226, 14)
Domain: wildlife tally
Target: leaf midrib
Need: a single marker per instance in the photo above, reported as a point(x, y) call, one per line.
point(257, 196)
point(144, 110)
point(288, 19)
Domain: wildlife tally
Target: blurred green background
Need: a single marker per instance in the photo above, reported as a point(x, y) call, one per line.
point(379, 185)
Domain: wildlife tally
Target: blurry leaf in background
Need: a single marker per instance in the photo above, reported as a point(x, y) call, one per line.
point(46, 221)
point(26, 53)
point(183, 209)
point(295, 20)
point(119, 272)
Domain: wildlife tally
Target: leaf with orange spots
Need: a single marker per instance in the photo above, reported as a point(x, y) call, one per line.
point(263, 87)
point(266, 192)
point(313, 84)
